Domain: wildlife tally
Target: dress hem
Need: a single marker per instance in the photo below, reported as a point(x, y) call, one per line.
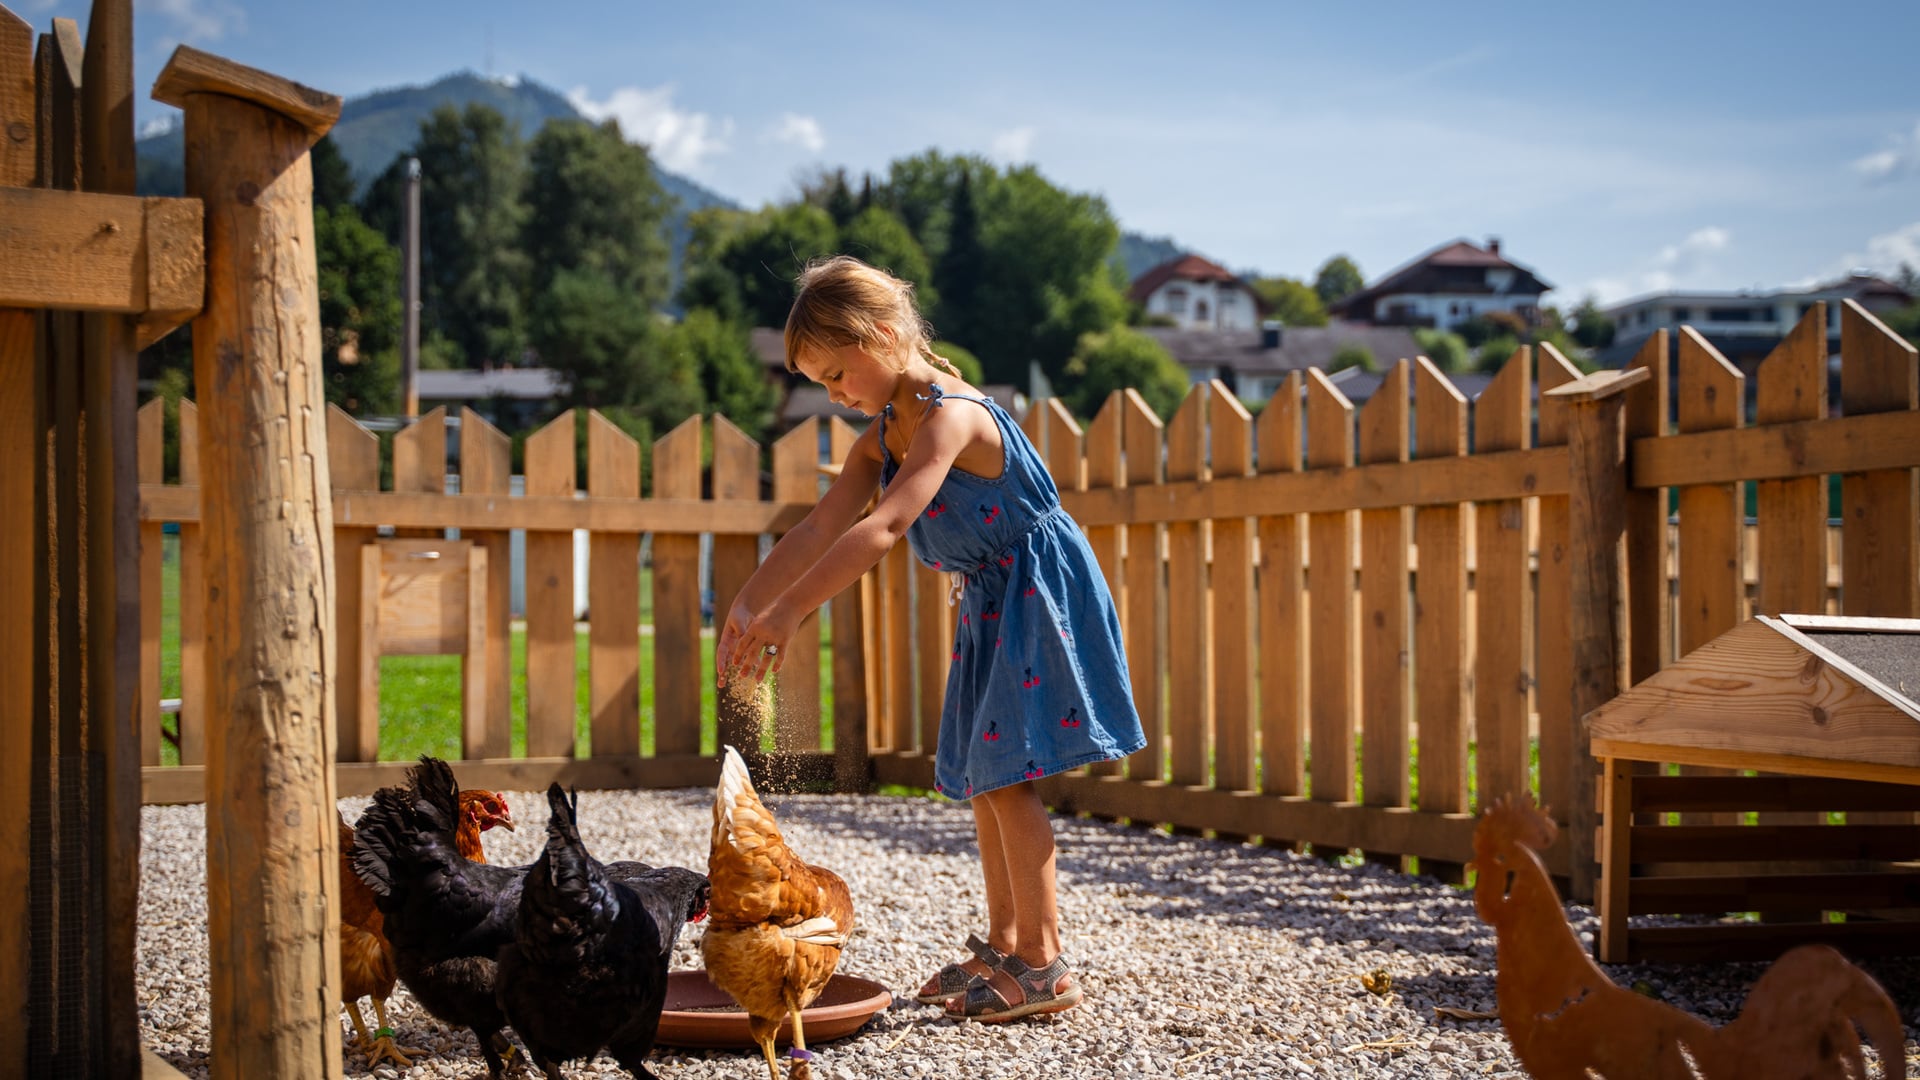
point(1069, 764)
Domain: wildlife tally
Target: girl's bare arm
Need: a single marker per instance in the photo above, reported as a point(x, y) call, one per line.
point(803, 544)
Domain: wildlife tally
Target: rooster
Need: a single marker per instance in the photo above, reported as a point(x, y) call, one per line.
point(1568, 1021)
point(366, 957)
point(588, 967)
point(777, 925)
point(445, 915)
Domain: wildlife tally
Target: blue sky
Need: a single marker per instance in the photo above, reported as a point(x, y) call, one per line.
point(1616, 149)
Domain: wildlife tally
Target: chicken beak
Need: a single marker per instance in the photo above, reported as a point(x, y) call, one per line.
point(505, 821)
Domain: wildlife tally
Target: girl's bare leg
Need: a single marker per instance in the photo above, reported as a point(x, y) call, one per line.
point(1001, 931)
point(1024, 833)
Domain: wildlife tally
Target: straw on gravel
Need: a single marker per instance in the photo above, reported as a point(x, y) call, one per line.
point(1200, 958)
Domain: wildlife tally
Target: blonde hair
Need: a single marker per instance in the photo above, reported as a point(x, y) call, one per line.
point(843, 301)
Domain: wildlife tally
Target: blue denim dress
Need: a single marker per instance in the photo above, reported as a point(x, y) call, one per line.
point(1039, 680)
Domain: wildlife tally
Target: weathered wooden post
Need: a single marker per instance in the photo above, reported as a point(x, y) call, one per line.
point(1596, 445)
point(266, 502)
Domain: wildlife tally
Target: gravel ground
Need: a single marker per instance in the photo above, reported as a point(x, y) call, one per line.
point(1199, 958)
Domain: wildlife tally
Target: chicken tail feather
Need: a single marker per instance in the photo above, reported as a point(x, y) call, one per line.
point(403, 822)
point(820, 930)
point(568, 900)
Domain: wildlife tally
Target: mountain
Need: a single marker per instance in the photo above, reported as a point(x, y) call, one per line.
point(377, 127)
point(1137, 254)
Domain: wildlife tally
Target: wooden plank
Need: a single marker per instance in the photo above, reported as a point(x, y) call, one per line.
point(1553, 665)
point(1232, 590)
point(273, 921)
point(190, 71)
point(169, 786)
point(736, 478)
point(1776, 843)
point(1793, 512)
point(1283, 609)
point(934, 624)
point(486, 468)
point(1769, 793)
point(676, 599)
point(851, 698)
point(549, 465)
point(896, 586)
point(1105, 468)
point(22, 561)
point(85, 251)
point(191, 721)
point(796, 479)
point(1617, 783)
point(1503, 601)
point(1758, 760)
point(1365, 487)
point(1715, 895)
point(1650, 634)
point(1386, 539)
point(1331, 699)
point(1755, 941)
point(613, 601)
point(1143, 439)
point(112, 856)
point(353, 456)
point(1880, 539)
point(1189, 644)
point(151, 437)
point(1711, 395)
point(1870, 441)
point(420, 464)
point(1442, 656)
point(368, 660)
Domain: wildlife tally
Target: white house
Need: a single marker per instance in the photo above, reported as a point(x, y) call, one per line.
point(1197, 295)
point(1768, 315)
point(1448, 286)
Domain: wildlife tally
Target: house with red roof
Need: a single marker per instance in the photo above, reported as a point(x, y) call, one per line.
point(1450, 285)
point(1196, 294)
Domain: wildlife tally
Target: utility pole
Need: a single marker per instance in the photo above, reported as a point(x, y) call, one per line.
point(410, 299)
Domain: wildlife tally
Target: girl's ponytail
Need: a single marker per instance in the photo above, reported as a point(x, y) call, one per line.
point(941, 362)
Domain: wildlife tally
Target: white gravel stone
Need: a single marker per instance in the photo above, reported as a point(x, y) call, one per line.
point(1199, 958)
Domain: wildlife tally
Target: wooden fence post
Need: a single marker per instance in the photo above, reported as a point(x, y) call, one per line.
point(1597, 491)
point(272, 852)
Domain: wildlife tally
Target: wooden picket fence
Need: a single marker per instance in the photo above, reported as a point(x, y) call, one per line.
point(1391, 581)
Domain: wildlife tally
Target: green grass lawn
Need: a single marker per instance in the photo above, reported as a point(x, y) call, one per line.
point(420, 695)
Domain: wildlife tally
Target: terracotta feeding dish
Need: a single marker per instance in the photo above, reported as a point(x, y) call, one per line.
point(699, 1014)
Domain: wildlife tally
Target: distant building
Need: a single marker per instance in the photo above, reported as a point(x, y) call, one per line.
point(1448, 286)
point(1253, 363)
point(511, 399)
point(1197, 295)
point(1742, 324)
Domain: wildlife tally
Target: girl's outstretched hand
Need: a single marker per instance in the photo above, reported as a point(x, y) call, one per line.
point(753, 645)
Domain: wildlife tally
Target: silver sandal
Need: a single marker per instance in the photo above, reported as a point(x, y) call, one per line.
point(952, 981)
point(984, 1003)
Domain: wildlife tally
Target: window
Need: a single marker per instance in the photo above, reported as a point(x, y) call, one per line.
point(1200, 310)
point(1177, 300)
point(1733, 314)
point(1681, 314)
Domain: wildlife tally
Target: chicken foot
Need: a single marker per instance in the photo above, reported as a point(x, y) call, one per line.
point(383, 1045)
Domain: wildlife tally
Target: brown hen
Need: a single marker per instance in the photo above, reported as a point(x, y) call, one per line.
point(366, 959)
point(777, 925)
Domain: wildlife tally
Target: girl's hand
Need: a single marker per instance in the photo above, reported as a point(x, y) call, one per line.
point(738, 618)
point(759, 648)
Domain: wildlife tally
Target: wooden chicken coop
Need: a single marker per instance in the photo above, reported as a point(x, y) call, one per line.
point(1793, 819)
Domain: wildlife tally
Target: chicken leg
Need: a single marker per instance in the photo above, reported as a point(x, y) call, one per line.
point(383, 1046)
point(802, 1068)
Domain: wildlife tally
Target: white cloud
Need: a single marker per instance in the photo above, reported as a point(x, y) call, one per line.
point(679, 140)
point(1014, 147)
point(1669, 268)
point(198, 20)
point(159, 125)
point(1900, 158)
point(1884, 255)
point(801, 131)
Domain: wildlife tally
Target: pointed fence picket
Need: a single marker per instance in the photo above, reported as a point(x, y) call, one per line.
point(1344, 627)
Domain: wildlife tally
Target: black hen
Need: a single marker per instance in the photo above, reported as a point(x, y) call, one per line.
point(446, 917)
point(588, 967)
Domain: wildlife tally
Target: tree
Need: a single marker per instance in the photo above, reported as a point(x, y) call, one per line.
point(1495, 351)
point(1447, 350)
point(1338, 279)
point(1591, 327)
point(1120, 358)
point(332, 176)
point(607, 345)
point(762, 254)
point(1353, 354)
point(962, 265)
point(732, 380)
point(878, 238)
point(359, 311)
point(919, 190)
point(593, 203)
point(472, 269)
point(1290, 300)
point(966, 362)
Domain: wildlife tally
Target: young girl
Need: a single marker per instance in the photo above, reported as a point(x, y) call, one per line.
point(1038, 683)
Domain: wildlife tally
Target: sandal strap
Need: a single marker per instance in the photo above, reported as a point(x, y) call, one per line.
point(986, 953)
point(1038, 983)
